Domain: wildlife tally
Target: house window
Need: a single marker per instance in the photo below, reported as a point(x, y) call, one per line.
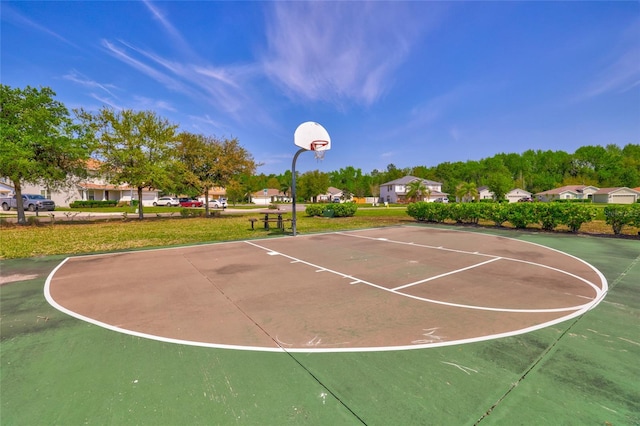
point(91, 195)
point(45, 193)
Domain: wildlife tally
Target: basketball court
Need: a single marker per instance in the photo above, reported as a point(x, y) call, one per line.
point(383, 289)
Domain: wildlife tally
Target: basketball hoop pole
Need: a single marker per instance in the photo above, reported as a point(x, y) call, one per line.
point(293, 189)
point(309, 136)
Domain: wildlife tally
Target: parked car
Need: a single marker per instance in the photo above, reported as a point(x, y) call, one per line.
point(218, 203)
point(31, 202)
point(525, 200)
point(190, 202)
point(441, 200)
point(167, 201)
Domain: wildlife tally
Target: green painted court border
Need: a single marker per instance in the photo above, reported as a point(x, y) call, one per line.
point(63, 371)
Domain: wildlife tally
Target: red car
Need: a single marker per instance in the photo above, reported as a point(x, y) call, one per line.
point(189, 202)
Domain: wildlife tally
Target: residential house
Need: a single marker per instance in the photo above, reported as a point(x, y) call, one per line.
point(621, 195)
point(215, 193)
point(568, 192)
point(333, 195)
point(396, 190)
point(516, 195)
point(485, 194)
point(6, 188)
point(512, 196)
point(269, 196)
point(94, 187)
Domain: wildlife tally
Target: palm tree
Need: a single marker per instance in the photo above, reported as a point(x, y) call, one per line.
point(416, 190)
point(467, 191)
point(284, 188)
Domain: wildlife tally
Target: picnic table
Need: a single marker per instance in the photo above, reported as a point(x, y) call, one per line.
point(271, 218)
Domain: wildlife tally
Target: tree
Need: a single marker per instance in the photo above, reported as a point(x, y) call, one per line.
point(467, 191)
point(135, 147)
point(39, 142)
point(499, 184)
point(235, 192)
point(311, 184)
point(209, 162)
point(416, 190)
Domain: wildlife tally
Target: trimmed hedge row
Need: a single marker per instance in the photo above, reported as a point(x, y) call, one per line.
point(520, 215)
point(334, 209)
point(93, 204)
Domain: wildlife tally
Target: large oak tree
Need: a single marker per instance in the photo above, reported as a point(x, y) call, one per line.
point(206, 162)
point(135, 147)
point(39, 142)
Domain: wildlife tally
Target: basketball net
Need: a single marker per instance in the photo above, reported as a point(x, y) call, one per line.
point(318, 152)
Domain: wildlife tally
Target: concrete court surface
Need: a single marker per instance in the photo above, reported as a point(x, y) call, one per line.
point(579, 371)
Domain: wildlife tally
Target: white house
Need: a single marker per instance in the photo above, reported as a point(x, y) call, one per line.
point(396, 190)
point(94, 187)
point(485, 194)
point(333, 195)
point(269, 196)
point(568, 192)
point(6, 188)
point(516, 195)
point(621, 195)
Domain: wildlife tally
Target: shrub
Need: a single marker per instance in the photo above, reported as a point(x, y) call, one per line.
point(521, 214)
point(430, 212)
point(497, 212)
point(619, 216)
point(343, 209)
point(549, 215)
point(92, 204)
point(314, 210)
point(470, 212)
point(574, 215)
point(635, 215)
point(455, 212)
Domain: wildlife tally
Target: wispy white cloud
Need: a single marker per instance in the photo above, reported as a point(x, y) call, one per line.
point(174, 35)
point(10, 15)
point(122, 54)
point(78, 78)
point(339, 51)
point(105, 101)
point(207, 120)
point(622, 72)
point(144, 103)
point(622, 75)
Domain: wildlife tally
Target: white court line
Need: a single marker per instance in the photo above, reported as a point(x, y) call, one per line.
point(386, 240)
point(280, 348)
point(318, 267)
point(423, 299)
point(600, 293)
point(445, 274)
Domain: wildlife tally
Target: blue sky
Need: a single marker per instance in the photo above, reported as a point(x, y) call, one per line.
point(408, 83)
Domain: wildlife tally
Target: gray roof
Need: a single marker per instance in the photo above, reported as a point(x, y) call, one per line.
point(408, 179)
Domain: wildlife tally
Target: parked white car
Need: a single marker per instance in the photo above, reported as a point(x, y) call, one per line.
point(218, 204)
point(167, 201)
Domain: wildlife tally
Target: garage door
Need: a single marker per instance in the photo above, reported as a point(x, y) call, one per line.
point(623, 199)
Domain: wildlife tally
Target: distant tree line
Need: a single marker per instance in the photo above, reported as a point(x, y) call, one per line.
point(533, 171)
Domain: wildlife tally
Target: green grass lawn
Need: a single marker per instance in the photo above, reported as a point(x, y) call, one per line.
point(76, 234)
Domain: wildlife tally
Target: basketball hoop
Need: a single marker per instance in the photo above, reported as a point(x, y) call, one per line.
point(309, 136)
point(319, 148)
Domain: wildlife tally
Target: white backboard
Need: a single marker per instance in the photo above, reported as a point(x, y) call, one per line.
point(310, 132)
